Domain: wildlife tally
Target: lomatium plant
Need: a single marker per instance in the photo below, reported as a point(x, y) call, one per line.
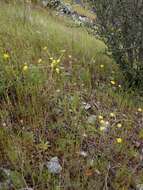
point(55, 65)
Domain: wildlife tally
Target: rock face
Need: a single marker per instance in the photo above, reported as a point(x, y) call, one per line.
point(66, 9)
point(140, 187)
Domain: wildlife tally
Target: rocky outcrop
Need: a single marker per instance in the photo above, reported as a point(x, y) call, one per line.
point(63, 8)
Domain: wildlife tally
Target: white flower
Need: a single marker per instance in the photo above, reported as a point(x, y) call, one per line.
point(84, 135)
point(107, 124)
point(83, 153)
point(4, 124)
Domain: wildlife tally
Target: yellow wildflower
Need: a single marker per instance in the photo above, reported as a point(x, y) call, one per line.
point(101, 66)
point(58, 61)
point(6, 56)
point(102, 121)
point(25, 68)
point(52, 65)
point(119, 140)
point(45, 48)
point(57, 70)
point(102, 128)
point(100, 117)
point(140, 110)
point(55, 63)
point(39, 60)
point(119, 125)
point(113, 82)
point(112, 114)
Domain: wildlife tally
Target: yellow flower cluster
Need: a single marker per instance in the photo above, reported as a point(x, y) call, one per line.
point(55, 65)
point(104, 124)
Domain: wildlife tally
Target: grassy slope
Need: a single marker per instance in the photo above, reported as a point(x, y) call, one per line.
point(40, 106)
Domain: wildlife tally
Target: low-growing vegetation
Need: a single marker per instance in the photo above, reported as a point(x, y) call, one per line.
point(62, 97)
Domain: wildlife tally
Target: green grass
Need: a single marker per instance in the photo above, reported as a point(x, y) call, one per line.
point(40, 106)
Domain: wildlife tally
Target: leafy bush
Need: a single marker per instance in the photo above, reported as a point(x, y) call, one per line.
point(121, 26)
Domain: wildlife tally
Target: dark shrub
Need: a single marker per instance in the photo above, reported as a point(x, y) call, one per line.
point(121, 27)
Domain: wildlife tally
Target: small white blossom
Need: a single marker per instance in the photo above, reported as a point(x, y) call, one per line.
point(83, 153)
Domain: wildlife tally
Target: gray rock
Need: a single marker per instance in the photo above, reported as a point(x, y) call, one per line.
point(92, 119)
point(139, 187)
point(54, 166)
point(66, 9)
point(4, 174)
point(45, 3)
point(7, 184)
point(51, 3)
point(86, 106)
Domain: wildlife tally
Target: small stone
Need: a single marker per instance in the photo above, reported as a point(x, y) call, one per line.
point(92, 119)
point(86, 106)
point(54, 166)
point(4, 174)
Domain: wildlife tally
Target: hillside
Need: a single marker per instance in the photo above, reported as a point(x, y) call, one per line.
point(63, 100)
